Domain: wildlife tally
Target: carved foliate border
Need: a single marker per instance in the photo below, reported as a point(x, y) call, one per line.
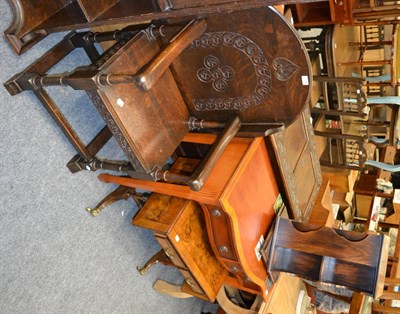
point(115, 130)
point(256, 57)
point(287, 172)
point(105, 114)
point(315, 160)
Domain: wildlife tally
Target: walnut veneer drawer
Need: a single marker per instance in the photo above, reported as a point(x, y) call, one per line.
point(189, 279)
point(179, 227)
point(170, 252)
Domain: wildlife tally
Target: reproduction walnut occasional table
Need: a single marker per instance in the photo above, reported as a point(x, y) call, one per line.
point(178, 226)
point(238, 205)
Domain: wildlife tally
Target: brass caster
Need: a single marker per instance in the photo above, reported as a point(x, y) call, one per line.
point(93, 211)
point(141, 270)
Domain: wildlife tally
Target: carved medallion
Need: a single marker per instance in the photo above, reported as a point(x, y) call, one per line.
point(215, 74)
point(219, 75)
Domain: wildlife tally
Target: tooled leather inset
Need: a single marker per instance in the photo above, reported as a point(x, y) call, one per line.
point(256, 57)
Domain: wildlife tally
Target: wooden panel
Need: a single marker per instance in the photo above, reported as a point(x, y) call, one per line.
point(160, 212)
point(341, 179)
point(321, 13)
point(171, 253)
point(339, 11)
point(296, 157)
point(218, 221)
point(152, 129)
point(321, 213)
point(248, 200)
point(353, 275)
point(347, 258)
point(305, 265)
point(363, 205)
point(311, 14)
point(251, 64)
point(306, 189)
point(189, 279)
point(38, 11)
point(93, 9)
point(296, 139)
point(287, 288)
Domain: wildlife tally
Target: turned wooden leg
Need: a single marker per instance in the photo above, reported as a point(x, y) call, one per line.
point(122, 192)
point(159, 257)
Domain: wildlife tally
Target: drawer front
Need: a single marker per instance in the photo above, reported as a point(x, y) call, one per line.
point(339, 12)
point(191, 281)
point(170, 252)
point(189, 238)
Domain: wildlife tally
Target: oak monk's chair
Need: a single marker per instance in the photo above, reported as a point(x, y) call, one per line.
point(159, 82)
point(136, 96)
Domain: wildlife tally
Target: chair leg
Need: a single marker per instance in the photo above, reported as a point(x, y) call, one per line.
point(21, 81)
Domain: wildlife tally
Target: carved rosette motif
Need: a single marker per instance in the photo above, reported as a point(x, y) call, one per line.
point(215, 74)
point(256, 57)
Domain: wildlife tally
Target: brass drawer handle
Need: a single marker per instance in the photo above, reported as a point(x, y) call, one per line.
point(339, 2)
point(190, 282)
point(169, 254)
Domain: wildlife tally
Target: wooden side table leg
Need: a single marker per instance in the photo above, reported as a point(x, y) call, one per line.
point(122, 192)
point(159, 257)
